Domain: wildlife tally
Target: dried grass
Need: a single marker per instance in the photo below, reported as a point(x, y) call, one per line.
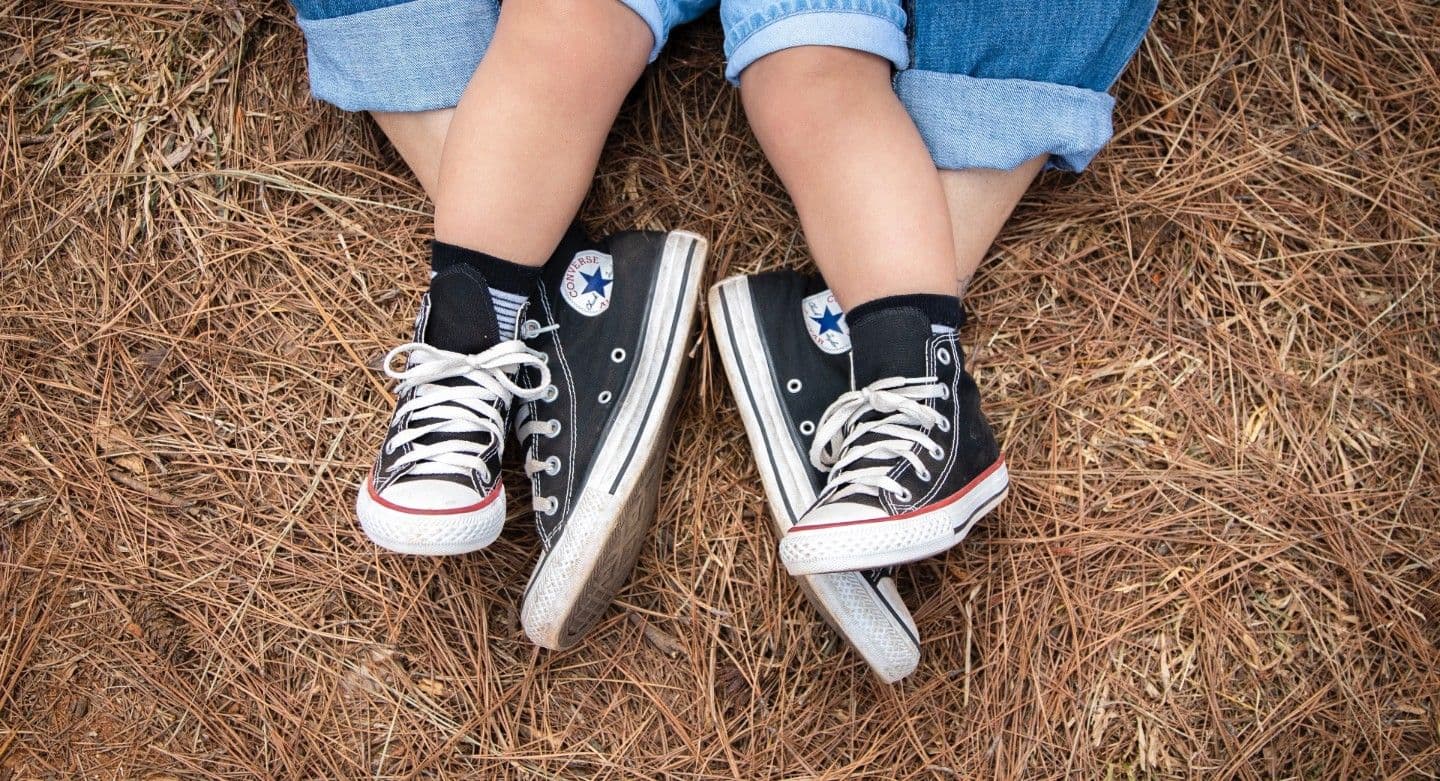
point(1214, 361)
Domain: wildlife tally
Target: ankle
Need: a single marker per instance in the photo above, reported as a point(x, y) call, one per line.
point(890, 336)
point(510, 284)
point(941, 309)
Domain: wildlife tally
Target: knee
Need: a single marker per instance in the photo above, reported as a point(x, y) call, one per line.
point(793, 93)
point(595, 33)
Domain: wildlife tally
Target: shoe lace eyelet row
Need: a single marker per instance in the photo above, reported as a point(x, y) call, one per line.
point(466, 419)
point(888, 420)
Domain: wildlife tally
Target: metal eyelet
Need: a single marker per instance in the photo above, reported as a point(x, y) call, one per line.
point(545, 358)
point(807, 428)
point(552, 465)
point(923, 474)
point(605, 397)
point(937, 453)
point(552, 393)
point(554, 428)
point(617, 355)
point(551, 505)
point(903, 495)
point(943, 356)
point(529, 329)
point(944, 426)
point(944, 392)
point(794, 385)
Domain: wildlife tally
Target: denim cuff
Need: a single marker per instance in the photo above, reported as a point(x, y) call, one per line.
point(969, 122)
point(654, 16)
point(414, 56)
point(849, 28)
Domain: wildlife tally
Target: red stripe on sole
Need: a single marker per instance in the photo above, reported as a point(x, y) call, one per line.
point(951, 499)
point(389, 505)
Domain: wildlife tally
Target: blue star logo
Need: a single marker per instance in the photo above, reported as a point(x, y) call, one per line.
point(828, 321)
point(595, 283)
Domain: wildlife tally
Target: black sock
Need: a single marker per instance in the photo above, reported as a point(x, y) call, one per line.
point(888, 336)
point(510, 283)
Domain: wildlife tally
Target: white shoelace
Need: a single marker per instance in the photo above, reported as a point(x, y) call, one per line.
point(458, 409)
point(905, 424)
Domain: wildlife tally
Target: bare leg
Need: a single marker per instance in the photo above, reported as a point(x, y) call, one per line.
point(523, 144)
point(980, 202)
point(418, 136)
point(869, 197)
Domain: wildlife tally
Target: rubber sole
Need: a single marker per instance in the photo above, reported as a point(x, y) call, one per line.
point(429, 533)
point(870, 616)
point(577, 579)
point(808, 549)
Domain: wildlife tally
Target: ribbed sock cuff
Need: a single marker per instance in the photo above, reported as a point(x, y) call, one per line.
point(499, 273)
point(941, 309)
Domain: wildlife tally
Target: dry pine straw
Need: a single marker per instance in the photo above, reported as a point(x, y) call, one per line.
point(1214, 361)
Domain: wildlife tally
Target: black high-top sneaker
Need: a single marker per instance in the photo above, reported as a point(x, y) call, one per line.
point(613, 320)
point(435, 489)
point(784, 345)
point(912, 462)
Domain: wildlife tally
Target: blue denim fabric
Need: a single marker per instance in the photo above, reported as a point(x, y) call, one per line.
point(413, 55)
point(394, 55)
point(994, 83)
point(662, 16)
point(755, 28)
point(990, 83)
point(329, 9)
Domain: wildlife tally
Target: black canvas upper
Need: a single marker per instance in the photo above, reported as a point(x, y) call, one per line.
point(805, 378)
point(776, 297)
point(592, 360)
point(969, 447)
point(461, 316)
point(455, 315)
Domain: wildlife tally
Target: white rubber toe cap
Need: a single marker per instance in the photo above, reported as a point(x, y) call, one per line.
point(835, 538)
point(839, 512)
point(431, 496)
point(430, 517)
point(841, 537)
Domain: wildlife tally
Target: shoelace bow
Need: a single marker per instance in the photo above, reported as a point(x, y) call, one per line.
point(905, 421)
point(458, 409)
point(529, 430)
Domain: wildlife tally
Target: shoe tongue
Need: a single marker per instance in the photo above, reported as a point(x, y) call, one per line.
point(889, 343)
point(461, 317)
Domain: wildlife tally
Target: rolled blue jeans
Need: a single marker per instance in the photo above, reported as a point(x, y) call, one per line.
point(994, 83)
point(989, 83)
